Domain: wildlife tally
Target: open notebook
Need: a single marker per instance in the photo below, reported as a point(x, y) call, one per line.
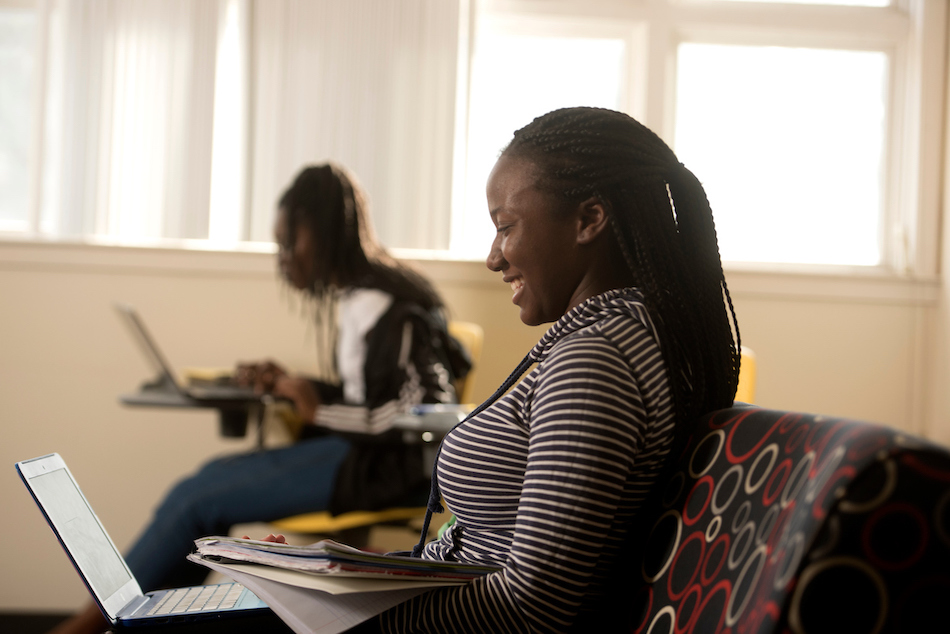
point(107, 576)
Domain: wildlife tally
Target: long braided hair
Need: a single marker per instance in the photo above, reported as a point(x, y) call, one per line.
point(662, 222)
point(663, 226)
point(329, 201)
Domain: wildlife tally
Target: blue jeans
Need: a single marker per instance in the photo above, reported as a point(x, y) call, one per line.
point(254, 487)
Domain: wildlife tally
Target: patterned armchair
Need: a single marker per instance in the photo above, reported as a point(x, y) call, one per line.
point(786, 522)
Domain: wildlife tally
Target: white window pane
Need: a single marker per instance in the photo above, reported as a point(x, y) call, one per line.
point(226, 216)
point(17, 29)
point(788, 143)
point(849, 3)
point(516, 78)
point(127, 118)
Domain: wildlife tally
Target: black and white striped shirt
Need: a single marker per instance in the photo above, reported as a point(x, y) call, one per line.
point(547, 480)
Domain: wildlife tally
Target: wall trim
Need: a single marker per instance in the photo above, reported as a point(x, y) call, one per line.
point(255, 260)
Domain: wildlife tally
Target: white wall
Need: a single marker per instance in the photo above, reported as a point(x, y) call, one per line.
point(839, 348)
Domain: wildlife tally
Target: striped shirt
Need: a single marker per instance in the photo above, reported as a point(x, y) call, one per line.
point(547, 480)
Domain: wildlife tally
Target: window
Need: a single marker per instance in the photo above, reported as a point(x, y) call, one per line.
point(178, 123)
point(793, 157)
point(137, 121)
point(853, 3)
point(128, 128)
point(520, 70)
point(804, 121)
point(17, 44)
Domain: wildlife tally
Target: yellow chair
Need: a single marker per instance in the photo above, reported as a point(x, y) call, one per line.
point(353, 527)
point(471, 336)
point(745, 393)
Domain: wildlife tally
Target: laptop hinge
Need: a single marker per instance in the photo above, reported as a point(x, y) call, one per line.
point(133, 606)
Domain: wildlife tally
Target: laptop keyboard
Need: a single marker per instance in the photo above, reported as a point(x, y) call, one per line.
point(184, 600)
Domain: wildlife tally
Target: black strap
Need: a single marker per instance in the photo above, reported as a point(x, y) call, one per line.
point(435, 496)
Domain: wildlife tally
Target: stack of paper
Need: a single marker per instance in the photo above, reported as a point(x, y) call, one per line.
point(327, 587)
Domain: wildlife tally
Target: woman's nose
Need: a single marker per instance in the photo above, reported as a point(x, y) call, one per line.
point(495, 261)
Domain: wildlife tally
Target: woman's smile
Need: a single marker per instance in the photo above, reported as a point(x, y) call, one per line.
point(535, 246)
point(516, 285)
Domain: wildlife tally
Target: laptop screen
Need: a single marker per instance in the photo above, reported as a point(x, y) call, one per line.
point(147, 344)
point(81, 533)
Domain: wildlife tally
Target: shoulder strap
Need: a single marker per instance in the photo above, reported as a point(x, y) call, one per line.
point(435, 496)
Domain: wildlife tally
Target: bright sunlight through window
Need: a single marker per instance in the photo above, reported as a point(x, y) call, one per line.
point(17, 30)
point(226, 222)
point(847, 3)
point(516, 78)
point(789, 145)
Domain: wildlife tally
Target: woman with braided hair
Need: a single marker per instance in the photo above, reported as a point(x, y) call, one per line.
point(602, 231)
point(386, 349)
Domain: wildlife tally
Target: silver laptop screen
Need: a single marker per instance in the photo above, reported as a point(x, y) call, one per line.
point(81, 532)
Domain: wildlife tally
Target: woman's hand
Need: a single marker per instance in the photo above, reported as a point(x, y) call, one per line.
point(301, 393)
point(277, 539)
point(262, 375)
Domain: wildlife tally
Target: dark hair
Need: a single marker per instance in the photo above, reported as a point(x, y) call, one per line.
point(347, 254)
point(664, 227)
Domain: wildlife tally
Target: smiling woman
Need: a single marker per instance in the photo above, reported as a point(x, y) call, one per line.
point(550, 478)
point(550, 251)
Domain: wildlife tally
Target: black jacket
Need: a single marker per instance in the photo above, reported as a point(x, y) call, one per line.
point(382, 470)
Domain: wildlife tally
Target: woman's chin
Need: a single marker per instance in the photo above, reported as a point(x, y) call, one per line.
point(530, 319)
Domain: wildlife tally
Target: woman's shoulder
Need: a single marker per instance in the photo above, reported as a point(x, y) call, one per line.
point(616, 316)
point(615, 335)
point(360, 298)
point(361, 308)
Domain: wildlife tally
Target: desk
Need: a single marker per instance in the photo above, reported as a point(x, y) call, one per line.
point(429, 428)
point(233, 415)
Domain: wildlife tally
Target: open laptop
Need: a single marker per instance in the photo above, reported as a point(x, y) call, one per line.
point(166, 378)
point(105, 572)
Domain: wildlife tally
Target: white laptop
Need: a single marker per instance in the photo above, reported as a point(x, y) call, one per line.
point(166, 379)
point(106, 574)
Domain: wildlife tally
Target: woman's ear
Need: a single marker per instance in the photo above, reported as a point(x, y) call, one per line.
point(593, 221)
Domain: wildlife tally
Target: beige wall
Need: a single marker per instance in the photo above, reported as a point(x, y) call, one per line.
point(64, 358)
point(854, 358)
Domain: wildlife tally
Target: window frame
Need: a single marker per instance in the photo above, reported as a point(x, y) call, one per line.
point(912, 33)
point(586, 27)
point(918, 201)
